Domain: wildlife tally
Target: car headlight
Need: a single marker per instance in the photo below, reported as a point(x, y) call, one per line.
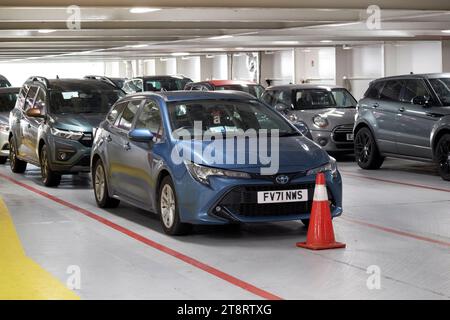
point(72, 135)
point(202, 173)
point(320, 121)
point(330, 166)
point(293, 118)
point(4, 127)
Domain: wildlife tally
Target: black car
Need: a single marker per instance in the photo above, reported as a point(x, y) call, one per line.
point(52, 124)
point(4, 82)
point(118, 82)
point(155, 83)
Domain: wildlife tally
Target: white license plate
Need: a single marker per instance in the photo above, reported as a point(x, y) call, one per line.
point(350, 137)
point(283, 196)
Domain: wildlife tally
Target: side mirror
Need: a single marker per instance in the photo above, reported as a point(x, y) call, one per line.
point(421, 101)
point(34, 113)
point(280, 107)
point(140, 135)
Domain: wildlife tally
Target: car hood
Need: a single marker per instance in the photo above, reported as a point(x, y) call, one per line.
point(296, 154)
point(335, 116)
point(4, 117)
point(77, 122)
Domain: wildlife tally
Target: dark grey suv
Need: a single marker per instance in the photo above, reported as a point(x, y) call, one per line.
point(406, 117)
point(52, 124)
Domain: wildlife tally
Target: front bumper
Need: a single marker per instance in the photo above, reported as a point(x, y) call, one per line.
point(237, 200)
point(326, 139)
point(78, 155)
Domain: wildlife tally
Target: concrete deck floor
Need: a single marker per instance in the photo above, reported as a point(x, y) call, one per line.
point(403, 229)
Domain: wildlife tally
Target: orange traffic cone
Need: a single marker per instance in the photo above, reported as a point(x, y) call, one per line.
point(320, 231)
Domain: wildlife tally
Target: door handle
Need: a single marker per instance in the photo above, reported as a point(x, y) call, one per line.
point(402, 109)
point(376, 105)
point(108, 138)
point(126, 146)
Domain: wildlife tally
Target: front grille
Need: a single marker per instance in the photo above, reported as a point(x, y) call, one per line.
point(340, 133)
point(242, 201)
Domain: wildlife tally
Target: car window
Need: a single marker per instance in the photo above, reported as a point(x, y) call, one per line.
point(391, 90)
point(343, 98)
point(442, 88)
point(374, 90)
point(313, 99)
point(132, 86)
point(224, 117)
point(268, 97)
point(126, 119)
point(115, 112)
point(284, 98)
point(7, 101)
point(414, 88)
point(39, 102)
point(4, 83)
point(150, 118)
point(29, 100)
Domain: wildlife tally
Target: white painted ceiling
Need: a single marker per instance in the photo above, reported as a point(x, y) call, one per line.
point(109, 32)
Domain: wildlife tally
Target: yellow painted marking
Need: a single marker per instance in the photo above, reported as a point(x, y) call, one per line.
point(20, 277)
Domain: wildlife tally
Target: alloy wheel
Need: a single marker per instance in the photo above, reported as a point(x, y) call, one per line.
point(363, 147)
point(99, 182)
point(168, 206)
point(44, 164)
point(444, 156)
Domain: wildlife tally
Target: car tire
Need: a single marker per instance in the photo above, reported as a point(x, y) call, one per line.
point(17, 165)
point(305, 223)
point(168, 210)
point(367, 154)
point(443, 156)
point(50, 178)
point(100, 183)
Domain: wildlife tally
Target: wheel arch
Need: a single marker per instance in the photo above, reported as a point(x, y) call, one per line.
point(437, 136)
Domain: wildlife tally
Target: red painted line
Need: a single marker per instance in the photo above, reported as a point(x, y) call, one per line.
point(397, 232)
point(178, 255)
point(395, 182)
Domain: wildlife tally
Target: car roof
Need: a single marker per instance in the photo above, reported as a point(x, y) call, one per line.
point(227, 82)
point(86, 84)
point(162, 77)
point(416, 76)
point(304, 86)
point(174, 96)
point(9, 90)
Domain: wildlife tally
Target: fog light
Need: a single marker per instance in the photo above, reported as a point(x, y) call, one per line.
point(62, 156)
point(323, 142)
point(218, 209)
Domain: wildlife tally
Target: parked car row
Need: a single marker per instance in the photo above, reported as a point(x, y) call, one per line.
point(66, 126)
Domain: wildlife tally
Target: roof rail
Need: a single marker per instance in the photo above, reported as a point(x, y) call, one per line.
point(42, 80)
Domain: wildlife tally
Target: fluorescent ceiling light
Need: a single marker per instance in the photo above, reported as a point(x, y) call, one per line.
point(346, 47)
point(46, 31)
point(138, 46)
point(143, 10)
point(286, 42)
point(306, 50)
point(209, 56)
point(163, 59)
point(326, 41)
point(180, 54)
point(227, 36)
point(239, 48)
point(445, 31)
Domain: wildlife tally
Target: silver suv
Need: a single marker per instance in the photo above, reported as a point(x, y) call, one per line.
point(405, 117)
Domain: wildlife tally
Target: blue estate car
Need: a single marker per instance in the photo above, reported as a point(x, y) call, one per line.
point(207, 158)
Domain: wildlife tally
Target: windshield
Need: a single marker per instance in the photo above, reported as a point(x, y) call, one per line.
point(226, 117)
point(7, 101)
point(442, 88)
point(343, 98)
point(78, 102)
point(313, 99)
point(166, 84)
point(255, 90)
